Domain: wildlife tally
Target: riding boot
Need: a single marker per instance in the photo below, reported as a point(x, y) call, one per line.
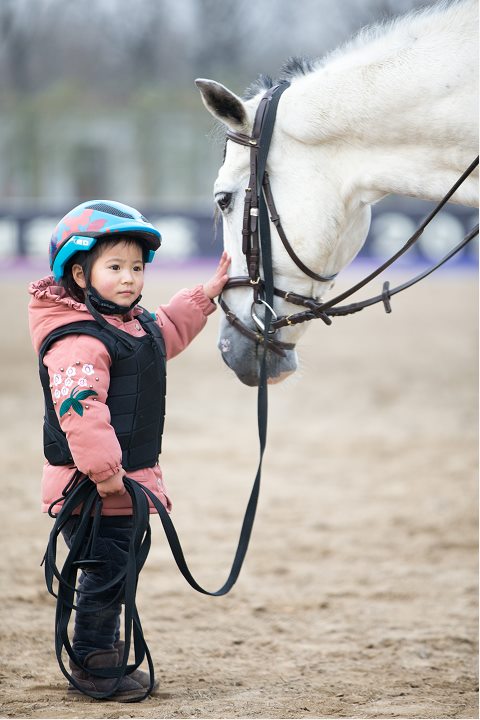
point(140, 676)
point(127, 690)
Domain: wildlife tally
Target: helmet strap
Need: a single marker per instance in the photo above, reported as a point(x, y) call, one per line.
point(106, 307)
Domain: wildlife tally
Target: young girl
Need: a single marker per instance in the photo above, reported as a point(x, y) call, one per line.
point(102, 366)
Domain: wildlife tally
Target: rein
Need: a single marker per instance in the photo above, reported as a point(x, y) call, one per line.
point(81, 491)
point(259, 208)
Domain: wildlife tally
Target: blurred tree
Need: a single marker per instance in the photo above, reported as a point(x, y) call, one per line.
point(220, 37)
point(68, 68)
point(15, 41)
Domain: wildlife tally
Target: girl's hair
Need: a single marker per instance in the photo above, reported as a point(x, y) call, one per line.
point(86, 260)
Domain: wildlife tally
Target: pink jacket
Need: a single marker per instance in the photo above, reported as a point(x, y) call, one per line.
point(83, 360)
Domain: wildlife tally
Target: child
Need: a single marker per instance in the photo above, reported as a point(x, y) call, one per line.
point(104, 387)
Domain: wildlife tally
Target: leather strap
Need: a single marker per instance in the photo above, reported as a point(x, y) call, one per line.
point(410, 242)
point(274, 217)
point(275, 346)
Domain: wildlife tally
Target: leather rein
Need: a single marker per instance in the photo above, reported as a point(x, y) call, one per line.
point(259, 208)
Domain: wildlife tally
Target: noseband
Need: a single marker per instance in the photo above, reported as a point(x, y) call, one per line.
point(259, 210)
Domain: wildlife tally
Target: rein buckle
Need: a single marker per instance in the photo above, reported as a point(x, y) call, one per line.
point(258, 321)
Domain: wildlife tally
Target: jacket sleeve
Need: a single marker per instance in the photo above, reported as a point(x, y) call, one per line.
point(183, 318)
point(79, 371)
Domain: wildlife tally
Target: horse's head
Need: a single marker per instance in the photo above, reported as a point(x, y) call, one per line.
point(324, 225)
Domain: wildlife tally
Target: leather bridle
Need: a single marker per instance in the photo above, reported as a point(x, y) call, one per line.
point(259, 208)
point(258, 201)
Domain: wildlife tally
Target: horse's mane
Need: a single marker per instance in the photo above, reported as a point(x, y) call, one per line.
point(296, 67)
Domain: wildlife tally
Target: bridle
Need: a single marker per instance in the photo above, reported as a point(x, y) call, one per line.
point(259, 209)
point(259, 201)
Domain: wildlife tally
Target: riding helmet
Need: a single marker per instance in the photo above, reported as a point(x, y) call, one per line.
point(80, 229)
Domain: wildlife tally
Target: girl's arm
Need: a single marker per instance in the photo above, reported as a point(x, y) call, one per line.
point(214, 286)
point(187, 312)
point(79, 370)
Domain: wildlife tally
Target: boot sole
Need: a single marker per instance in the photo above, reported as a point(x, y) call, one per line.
point(122, 697)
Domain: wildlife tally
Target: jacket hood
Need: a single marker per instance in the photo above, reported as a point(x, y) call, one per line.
point(51, 307)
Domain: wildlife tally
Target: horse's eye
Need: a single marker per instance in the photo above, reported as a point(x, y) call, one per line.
point(223, 200)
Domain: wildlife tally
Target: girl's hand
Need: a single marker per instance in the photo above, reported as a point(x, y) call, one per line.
point(112, 485)
point(213, 287)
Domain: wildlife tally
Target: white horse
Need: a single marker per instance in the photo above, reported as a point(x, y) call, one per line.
point(393, 111)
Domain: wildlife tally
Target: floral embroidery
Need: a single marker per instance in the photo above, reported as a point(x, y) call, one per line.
point(62, 387)
point(73, 401)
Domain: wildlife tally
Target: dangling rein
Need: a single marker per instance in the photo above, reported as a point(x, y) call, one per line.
point(82, 493)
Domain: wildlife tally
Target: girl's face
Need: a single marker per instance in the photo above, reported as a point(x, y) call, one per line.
point(117, 273)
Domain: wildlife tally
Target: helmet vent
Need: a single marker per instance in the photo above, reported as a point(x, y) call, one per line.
point(110, 210)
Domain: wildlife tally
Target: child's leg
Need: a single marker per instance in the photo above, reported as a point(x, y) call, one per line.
point(97, 620)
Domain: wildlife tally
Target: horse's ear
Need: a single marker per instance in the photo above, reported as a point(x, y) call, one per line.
point(223, 104)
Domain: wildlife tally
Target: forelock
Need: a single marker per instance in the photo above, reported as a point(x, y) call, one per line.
point(293, 68)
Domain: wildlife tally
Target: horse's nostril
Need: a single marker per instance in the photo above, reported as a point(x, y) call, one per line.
point(223, 200)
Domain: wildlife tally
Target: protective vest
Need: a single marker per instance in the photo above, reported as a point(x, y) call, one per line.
point(136, 395)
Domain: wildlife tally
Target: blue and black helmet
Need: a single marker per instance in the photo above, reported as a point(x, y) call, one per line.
point(81, 227)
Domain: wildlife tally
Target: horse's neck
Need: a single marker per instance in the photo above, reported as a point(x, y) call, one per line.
point(399, 111)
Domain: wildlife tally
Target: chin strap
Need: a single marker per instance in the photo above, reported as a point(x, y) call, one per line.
point(106, 307)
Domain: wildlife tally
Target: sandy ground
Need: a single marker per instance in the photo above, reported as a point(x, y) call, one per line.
point(358, 598)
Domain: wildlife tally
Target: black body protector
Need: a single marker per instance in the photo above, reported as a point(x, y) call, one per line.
point(136, 395)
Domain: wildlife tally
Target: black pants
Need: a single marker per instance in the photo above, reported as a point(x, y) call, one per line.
point(99, 628)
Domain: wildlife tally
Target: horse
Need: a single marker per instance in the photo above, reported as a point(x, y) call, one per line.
point(394, 110)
